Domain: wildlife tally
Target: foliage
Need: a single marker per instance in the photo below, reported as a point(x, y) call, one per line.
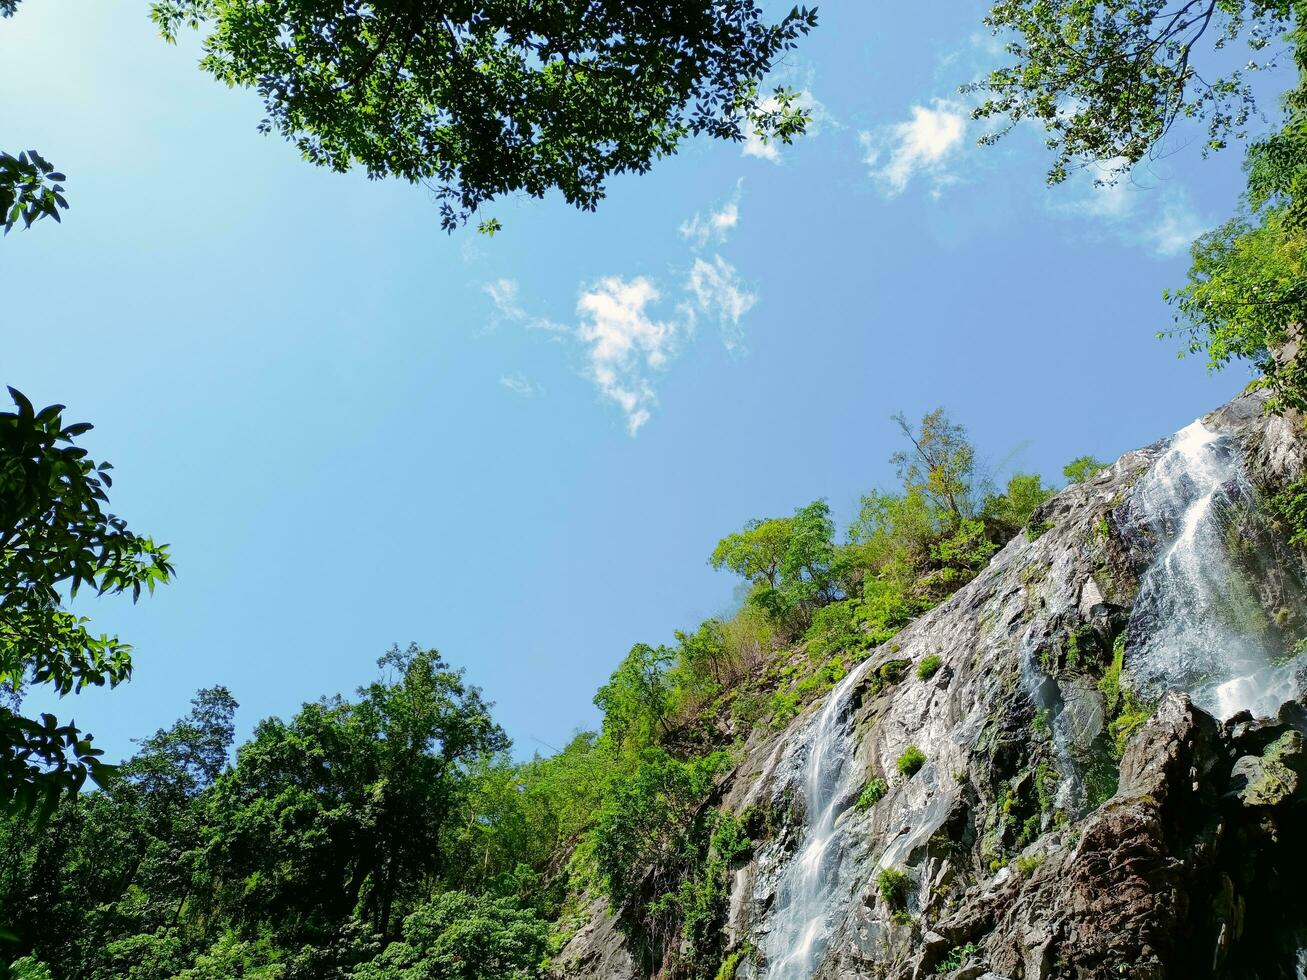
point(929, 666)
point(1245, 299)
point(911, 761)
point(56, 537)
point(703, 898)
point(1015, 507)
point(1107, 79)
point(1126, 712)
point(907, 551)
point(957, 957)
point(637, 699)
point(837, 627)
point(28, 968)
point(732, 963)
point(663, 855)
point(1026, 865)
point(30, 189)
point(648, 821)
point(893, 887)
point(790, 563)
point(941, 465)
point(1082, 469)
point(872, 793)
point(231, 957)
point(457, 936)
point(1291, 504)
point(344, 808)
point(482, 100)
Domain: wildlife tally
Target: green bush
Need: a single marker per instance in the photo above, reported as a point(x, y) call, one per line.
point(457, 936)
point(893, 887)
point(957, 958)
point(836, 628)
point(930, 666)
point(1083, 468)
point(1125, 709)
point(1027, 865)
point(911, 761)
point(29, 968)
point(732, 963)
point(1292, 507)
point(872, 793)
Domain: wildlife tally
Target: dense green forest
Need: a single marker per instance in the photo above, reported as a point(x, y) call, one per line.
point(391, 833)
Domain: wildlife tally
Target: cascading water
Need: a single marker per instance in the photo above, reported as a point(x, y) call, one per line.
point(807, 897)
point(1218, 607)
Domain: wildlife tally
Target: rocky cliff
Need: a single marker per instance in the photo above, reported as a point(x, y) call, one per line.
point(1089, 762)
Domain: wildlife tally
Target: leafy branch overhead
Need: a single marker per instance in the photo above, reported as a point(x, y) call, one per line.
point(30, 189)
point(56, 538)
point(480, 100)
point(1107, 79)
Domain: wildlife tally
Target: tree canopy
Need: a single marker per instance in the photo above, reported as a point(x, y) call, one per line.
point(478, 100)
point(1107, 79)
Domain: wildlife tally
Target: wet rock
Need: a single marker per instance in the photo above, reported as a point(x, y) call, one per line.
point(598, 950)
point(1273, 778)
point(1084, 712)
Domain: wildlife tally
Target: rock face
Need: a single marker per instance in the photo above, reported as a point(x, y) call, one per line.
point(1081, 810)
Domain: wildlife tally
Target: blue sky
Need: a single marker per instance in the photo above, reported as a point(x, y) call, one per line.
point(355, 430)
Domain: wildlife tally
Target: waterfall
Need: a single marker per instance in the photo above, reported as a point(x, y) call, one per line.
point(1201, 621)
point(807, 901)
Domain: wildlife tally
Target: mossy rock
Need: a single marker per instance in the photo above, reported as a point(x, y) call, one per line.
point(1275, 777)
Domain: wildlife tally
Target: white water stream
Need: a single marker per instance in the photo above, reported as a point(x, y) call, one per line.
point(808, 899)
point(1198, 624)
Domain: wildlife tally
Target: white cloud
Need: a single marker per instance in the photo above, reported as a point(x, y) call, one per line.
point(716, 290)
point(504, 294)
point(922, 145)
point(624, 340)
point(519, 385)
point(625, 343)
point(715, 225)
point(1175, 229)
point(1133, 207)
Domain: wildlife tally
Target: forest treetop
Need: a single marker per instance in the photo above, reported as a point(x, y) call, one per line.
point(478, 100)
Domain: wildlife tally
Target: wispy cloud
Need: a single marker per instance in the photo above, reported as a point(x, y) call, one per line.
point(714, 226)
point(1175, 229)
point(627, 333)
point(1098, 192)
point(625, 344)
point(518, 384)
point(923, 145)
point(504, 294)
point(716, 290)
point(1132, 207)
